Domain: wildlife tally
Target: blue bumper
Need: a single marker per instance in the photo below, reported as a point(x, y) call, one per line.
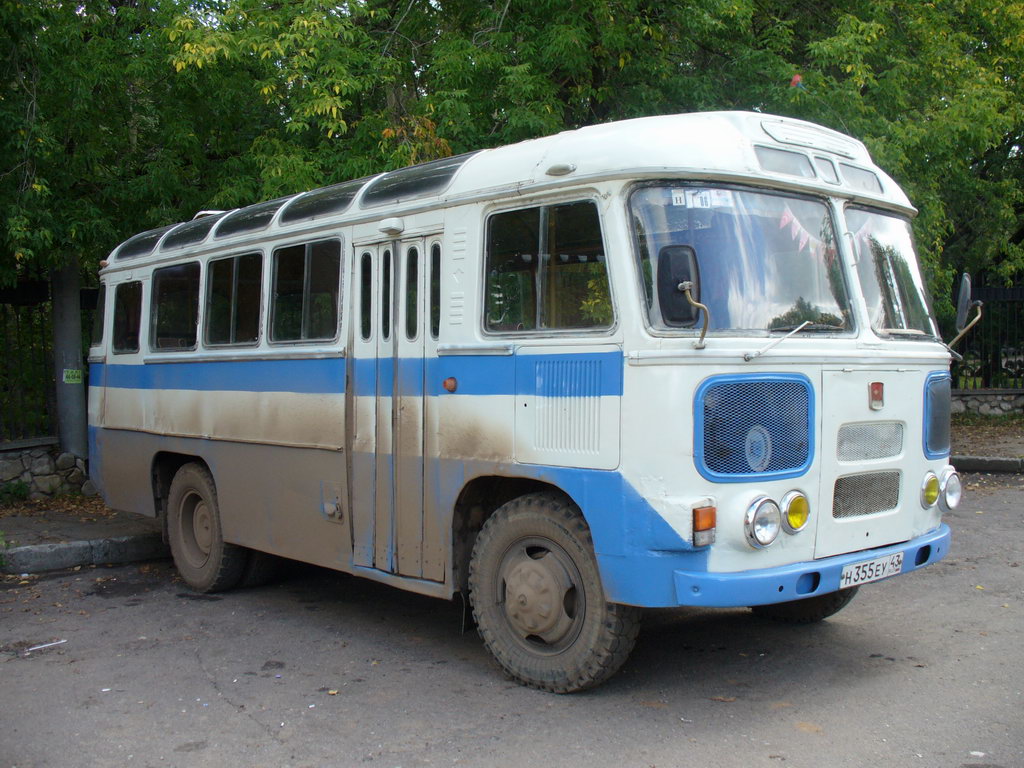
point(800, 580)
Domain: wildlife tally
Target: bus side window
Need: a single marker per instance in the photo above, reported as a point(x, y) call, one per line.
point(412, 281)
point(546, 270)
point(233, 297)
point(435, 290)
point(365, 295)
point(385, 296)
point(96, 337)
point(175, 311)
point(127, 314)
point(306, 292)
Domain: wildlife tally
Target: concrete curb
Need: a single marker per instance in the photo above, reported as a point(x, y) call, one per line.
point(988, 464)
point(116, 550)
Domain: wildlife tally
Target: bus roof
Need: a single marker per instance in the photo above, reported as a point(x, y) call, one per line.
point(722, 146)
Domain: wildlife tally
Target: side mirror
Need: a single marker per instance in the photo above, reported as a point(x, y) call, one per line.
point(963, 302)
point(963, 306)
point(677, 264)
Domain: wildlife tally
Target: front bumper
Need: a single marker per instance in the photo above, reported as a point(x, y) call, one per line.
point(799, 580)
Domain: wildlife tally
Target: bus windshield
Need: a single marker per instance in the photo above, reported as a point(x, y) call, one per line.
point(888, 273)
point(760, 261)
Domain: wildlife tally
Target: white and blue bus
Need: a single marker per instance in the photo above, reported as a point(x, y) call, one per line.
point(673, 361)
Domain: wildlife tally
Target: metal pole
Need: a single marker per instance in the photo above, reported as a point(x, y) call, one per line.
point(67, 360)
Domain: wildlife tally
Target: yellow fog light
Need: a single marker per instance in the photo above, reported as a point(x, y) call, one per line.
point(796, 511)
point(929, 490)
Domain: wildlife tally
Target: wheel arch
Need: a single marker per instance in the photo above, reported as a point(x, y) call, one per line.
point(477, 501)
point(164, 467)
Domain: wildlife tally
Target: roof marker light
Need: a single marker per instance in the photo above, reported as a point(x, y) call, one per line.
point(560, 169)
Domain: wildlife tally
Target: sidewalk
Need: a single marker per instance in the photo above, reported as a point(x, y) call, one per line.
point(65, 535)
point(69, 535)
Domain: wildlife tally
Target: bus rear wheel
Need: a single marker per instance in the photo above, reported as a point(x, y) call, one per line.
point(205, 561)
point(809, 610)
point(538, 601)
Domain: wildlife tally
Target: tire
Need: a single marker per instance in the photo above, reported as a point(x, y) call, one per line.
point(260, 568)
point(559, 633)
point(204, 560)
point(809, 610)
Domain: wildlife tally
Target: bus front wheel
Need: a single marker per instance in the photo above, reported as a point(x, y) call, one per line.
point(205, 561)
point(537, 597)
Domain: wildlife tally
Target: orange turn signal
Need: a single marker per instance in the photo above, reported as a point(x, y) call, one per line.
point(703, 518)
point(703, 526)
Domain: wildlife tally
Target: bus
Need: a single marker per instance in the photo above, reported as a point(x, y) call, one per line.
point(685, 360)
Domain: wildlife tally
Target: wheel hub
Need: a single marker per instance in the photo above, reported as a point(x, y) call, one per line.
point(536, 590)
point(202, 528)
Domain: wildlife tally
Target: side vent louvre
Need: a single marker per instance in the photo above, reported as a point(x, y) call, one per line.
point(569, 405)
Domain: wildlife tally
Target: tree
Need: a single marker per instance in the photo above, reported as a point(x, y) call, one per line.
point(118, 116)
point(100, 140)
point(934, 89)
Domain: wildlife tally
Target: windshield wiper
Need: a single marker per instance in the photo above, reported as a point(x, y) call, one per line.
point(748, 356)
point(807, 326)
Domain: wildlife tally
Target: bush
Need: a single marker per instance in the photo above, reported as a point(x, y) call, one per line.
point(14, 491)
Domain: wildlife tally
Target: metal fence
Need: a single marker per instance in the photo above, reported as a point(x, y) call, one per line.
point(27, 389)
point(26, 373)
point(994, 349)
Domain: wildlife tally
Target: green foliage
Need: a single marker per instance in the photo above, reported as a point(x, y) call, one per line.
point(803, 311)
point(12, 492)
point(934, 90)
point(118, 116)
point(596, 307)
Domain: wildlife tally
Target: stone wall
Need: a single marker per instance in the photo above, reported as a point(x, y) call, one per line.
point(988, 402)
point(44, 471)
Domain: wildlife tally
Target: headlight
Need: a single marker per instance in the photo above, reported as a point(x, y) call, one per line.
point(796, 511)
point(929, 490)
point(762, 522)
point(951, 487)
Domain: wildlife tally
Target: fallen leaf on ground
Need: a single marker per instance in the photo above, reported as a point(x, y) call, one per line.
point(809, 727)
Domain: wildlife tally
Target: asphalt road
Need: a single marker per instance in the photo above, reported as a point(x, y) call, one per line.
point(326, 670)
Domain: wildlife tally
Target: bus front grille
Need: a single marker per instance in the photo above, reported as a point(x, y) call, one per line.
point(875, 440)
point(753, 425)
point(859, 495)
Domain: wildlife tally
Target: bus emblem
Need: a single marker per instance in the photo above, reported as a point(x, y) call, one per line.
point(758, 448)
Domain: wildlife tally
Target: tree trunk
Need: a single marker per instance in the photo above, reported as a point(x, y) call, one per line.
point(67, 360)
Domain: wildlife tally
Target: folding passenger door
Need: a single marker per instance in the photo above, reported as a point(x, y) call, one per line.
point(386, 443)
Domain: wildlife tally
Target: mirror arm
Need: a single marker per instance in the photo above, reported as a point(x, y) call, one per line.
point(687, 287)
point(974, 322)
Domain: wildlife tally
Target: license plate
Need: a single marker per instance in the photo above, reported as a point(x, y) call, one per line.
point(871, 570)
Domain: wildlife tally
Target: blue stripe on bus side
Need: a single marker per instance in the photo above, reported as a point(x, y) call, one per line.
point(475, 375)
point(525, 374)
point(310, 376)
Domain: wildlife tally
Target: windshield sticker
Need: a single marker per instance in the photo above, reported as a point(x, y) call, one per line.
point(702, 198)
